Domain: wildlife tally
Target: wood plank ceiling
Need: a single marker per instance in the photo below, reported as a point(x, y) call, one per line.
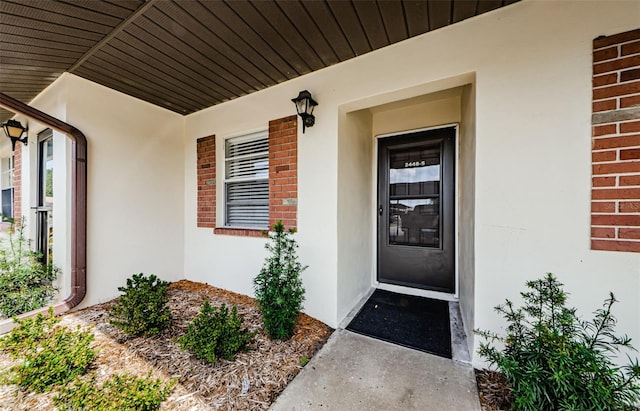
point(186, 55)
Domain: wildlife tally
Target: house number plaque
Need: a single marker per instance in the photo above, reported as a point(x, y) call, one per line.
point(410, 164)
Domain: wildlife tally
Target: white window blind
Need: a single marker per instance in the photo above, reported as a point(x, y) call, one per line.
point(247, 181)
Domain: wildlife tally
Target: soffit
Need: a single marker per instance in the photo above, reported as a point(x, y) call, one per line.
point(187, 55)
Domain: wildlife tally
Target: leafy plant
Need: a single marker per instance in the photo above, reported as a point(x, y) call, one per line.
point(278, 287)
point(29, 334)
point(49, 355)
point(554, 361)
point(216, 333)
point(119, 392)
point(143, 309)
point(26, 283)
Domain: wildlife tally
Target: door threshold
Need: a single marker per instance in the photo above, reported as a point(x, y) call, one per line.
point(436, 295)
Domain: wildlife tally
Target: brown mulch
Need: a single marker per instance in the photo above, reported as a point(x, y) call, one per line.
point(493, 391)
point(251, 382)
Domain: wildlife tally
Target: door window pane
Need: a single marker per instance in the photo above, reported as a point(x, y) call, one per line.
point(414, 197)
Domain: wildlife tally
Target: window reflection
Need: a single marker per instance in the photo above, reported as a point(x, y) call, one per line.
point(414, 197)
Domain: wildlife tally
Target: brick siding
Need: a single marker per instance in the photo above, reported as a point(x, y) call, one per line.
point(615, 193)
point(283, 171)
point(206, 149)
point(283, 179)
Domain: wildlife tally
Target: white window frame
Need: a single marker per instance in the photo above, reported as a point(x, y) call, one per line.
point(243, 177)
point(7, 172)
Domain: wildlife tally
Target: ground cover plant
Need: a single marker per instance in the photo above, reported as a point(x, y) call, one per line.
point(142, 309)
point(552, 360)
point(52, 357)
point(26, 283)
point(278, 286)
point(119, 392)
point(252, 381)
point(216, 333)
point(29, 334)
point(48, 355)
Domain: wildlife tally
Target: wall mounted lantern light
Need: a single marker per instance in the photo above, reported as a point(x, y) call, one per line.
point(14, 130)
point(304, 106)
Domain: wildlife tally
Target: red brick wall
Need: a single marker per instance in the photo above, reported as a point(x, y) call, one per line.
point(17, 183)
point(283, 171)
point(283, 179)
point(206, 149)
point(615, 194)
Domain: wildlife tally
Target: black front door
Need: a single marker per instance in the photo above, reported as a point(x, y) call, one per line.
point(416, 242)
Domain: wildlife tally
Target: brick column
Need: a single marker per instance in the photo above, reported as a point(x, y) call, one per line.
point(206, 149)
point(615, 194)
point(283, 171)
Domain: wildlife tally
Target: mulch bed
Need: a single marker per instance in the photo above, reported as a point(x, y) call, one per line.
point(251, 382)
point(493, 391)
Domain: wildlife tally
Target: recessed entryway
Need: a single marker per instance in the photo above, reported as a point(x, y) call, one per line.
point(406, 197)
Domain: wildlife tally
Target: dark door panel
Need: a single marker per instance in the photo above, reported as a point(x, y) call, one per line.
point(416, 242)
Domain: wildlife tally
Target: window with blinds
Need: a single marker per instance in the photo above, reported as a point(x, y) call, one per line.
point(247, 181)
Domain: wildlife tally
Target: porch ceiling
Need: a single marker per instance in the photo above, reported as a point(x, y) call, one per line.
point(186, 55)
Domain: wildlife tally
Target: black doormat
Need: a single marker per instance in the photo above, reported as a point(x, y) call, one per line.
point(414, 322)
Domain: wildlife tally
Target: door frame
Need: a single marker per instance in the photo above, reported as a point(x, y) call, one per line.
point(374, 222)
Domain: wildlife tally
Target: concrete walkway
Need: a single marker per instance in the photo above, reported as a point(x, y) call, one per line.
point(353, 372)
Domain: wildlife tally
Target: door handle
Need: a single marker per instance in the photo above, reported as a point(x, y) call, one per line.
point(380, 211)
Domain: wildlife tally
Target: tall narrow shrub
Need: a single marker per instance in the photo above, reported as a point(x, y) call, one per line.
point(278, 286)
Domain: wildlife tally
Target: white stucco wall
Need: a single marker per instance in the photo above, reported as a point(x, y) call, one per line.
point(356, 234)
point(531, 64)
point(135, 180)
point(466, 210)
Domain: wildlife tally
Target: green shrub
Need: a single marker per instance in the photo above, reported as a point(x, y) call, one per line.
point(143, 309)
point(26, 284)
point(216, 333)
point(31, 331)
point(278, 287)
point(119, 392)
point(48, 355)
point(554, 361)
